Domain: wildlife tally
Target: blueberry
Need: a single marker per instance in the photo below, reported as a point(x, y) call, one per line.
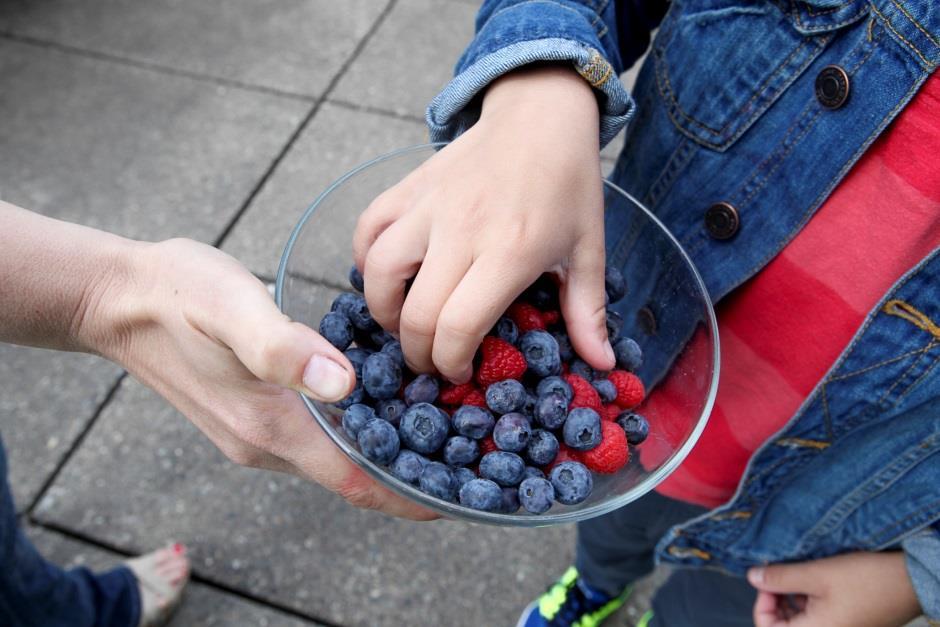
point(355, 279)
point(358, 395)
point(438, 480)
point(355, 307)
point(357, 357)
point(551, 410)
point(582, 430)
point(528, 408)
point(635, 426)
point(505, 396)
point(460, 451)
point(346, 302)
point(614, 325)
point(536, 495)
point(380, 338)
point(509, 502)
point(393, 349)
point(605, 389)
point(506, 329)
point(542, 447)
point(555, 384)
point(512, 432)
point(628, 354)
point(378, 441)
point(424, 428)
point(582, 369)
point(614, 284)
point(355, 418)
point(543, 293)
point(423, 389)
point(481, 494)
point(390, 410)
point(381, 376)
point(541, 353)
point(408, 466)
point(565, 350)
point(572, 482)
point(473, 422)
point(506, 469)
point(337, 330)
point(532, 471)
point(463, 474)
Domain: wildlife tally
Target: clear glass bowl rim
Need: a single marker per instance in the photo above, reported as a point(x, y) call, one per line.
point(453, 510)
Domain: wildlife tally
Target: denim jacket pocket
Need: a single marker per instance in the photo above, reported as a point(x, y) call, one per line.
point(720, 64)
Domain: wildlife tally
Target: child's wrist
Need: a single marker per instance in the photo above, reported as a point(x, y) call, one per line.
point(542, 91)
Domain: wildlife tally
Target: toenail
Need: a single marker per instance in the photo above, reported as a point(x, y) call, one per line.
point(178, 548)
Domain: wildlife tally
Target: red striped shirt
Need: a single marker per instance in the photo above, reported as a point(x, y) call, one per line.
point(783, 329)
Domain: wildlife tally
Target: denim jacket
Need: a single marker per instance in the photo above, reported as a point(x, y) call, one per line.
point(726, 110)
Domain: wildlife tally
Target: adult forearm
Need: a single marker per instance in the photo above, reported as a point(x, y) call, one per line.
point(53, 276)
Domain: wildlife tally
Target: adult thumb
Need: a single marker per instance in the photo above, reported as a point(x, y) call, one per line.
point(278, 350)
point(584, 308)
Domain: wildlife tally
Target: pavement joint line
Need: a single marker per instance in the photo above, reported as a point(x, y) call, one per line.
point(83, 538)
point(334, 81)
point(77, 442)
point(406, 117)
point(153, 67)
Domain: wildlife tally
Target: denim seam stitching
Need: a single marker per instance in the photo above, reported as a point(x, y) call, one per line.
point(849, 375)
point(882, 400)
point(913, 48)
point(493, 17)
point(762, 88)
point(916, 24)
point(920, 378)
point(870, 538)
point(837, 25)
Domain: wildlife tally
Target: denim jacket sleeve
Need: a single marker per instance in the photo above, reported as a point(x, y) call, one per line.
point(922, 553)
point(513, 33)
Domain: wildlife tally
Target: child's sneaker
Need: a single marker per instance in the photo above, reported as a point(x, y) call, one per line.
point(570, 602)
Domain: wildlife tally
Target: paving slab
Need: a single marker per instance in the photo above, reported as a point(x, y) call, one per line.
point(145, 474)
point(410, 57)
point(129, 150)
point(202, 605)
point(296, 46)
point(337, 139)
point(46, 400)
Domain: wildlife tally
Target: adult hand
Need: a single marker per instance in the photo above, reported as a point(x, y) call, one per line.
point(851, 590)
point(518, 194)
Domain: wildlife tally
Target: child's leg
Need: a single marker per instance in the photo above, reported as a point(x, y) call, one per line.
point(704, 598)
point(616, 549)
point(36, 592)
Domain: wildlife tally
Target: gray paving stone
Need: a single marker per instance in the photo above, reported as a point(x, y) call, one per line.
point(46, 400)
point(145, 474)
point(202, 605)
point(337, 139)
point(129, 150)
point(296, 46)
point(410, 57)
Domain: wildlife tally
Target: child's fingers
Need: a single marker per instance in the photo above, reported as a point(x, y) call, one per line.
point(485, 292)
point(443, 268)
point(584, 308)
point(765, 611)
point(383, 211)
point(392, 260)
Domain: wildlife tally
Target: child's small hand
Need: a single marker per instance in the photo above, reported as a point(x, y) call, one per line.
point(517, 195)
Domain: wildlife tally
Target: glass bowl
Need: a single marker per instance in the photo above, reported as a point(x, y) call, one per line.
point(667, 311)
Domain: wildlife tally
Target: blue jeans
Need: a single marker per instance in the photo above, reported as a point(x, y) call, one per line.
point(37, 593)
point(617, 549)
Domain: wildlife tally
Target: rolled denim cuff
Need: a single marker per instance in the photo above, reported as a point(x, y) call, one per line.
point(922, 554)
point(449, 114)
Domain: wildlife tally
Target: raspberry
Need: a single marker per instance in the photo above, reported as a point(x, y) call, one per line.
point(488, 445)
point(630, 390)
point(527, 317)
point(475, 398)
point(454, 394)
point(550, 317)
point(611, 412)
point(584, 394)
point(565, 454)
point(501, 360)
point(611, 454)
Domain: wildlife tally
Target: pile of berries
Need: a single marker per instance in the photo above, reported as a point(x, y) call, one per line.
point(529, 429)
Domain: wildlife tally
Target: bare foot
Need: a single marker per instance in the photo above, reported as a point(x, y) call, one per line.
point(161, 577)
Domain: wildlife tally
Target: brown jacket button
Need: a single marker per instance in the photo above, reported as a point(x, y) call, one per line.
point(832, 87)
point(722, 220)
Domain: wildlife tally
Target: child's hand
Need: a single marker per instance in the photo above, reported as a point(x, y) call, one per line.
point(517, 195)
point(858, 589)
